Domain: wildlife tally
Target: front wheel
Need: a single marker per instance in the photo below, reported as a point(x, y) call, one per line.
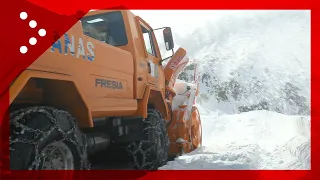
point(45, 138)
point(152, 151)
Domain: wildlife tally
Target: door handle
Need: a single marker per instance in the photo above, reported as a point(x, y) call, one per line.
point(149, 68)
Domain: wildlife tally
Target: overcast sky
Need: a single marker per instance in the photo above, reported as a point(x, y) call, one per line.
point(180, 20)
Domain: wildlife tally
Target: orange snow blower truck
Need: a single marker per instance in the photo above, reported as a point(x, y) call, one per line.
point(103, 84)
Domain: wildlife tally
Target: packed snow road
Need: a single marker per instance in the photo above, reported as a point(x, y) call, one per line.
point(252, 140)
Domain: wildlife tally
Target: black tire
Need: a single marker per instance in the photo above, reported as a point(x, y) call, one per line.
point(151, 152)
point(43, 127)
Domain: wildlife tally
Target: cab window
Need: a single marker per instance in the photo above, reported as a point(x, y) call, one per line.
point(148, 41)
point(107, 27)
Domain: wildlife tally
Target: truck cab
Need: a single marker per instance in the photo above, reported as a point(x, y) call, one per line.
point(124, 30)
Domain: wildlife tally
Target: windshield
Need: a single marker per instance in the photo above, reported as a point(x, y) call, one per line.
point(107, 27)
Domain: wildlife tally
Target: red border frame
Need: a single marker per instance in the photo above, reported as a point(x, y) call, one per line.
point(46, 13)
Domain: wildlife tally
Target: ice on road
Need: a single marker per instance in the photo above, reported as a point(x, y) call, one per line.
point(252, 140)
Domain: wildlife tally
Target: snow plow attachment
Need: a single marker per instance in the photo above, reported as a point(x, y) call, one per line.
point(184, 128)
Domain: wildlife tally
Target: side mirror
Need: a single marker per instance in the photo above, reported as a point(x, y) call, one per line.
point(168, 39)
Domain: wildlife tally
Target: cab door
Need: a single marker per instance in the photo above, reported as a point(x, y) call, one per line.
point(152, 54)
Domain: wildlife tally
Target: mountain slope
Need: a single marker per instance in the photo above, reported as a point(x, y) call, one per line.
point(249, 60)
point(253, 60)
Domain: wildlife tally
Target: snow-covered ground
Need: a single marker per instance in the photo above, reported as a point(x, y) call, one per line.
point(252, 140)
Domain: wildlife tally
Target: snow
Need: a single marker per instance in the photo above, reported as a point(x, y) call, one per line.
point(181, 97)
point(251, 140)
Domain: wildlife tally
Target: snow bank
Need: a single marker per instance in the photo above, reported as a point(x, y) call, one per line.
point(252, 140)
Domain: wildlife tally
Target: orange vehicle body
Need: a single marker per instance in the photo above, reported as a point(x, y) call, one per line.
point(92, 79)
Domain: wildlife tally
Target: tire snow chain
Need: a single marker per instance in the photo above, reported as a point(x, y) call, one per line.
point(18, 118)
point(135, 148)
